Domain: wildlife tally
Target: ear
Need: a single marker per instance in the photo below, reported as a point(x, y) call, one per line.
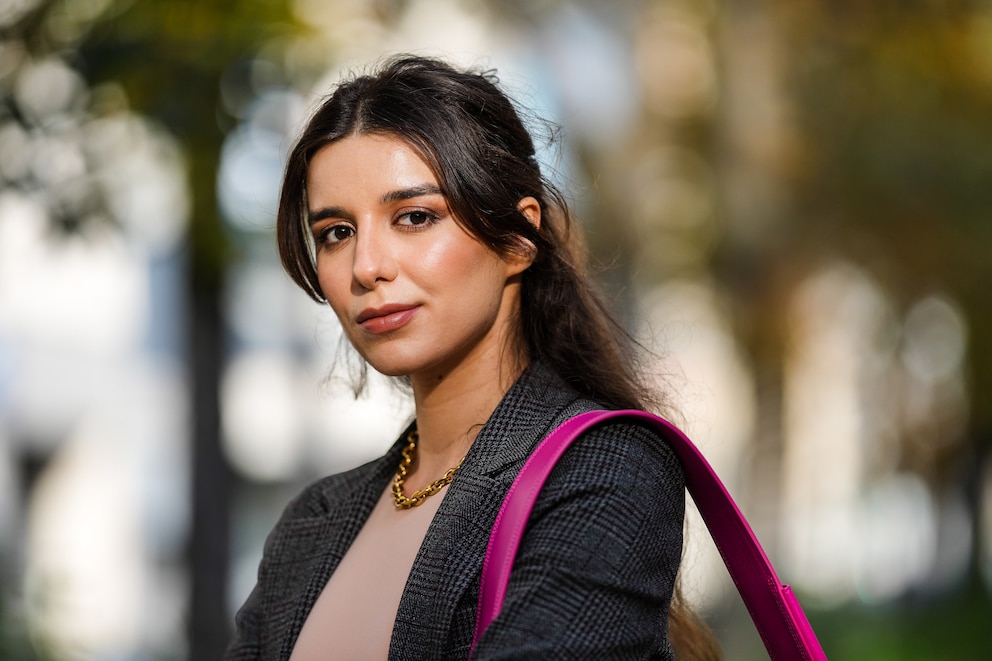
point(520, 259)
point(531, 209)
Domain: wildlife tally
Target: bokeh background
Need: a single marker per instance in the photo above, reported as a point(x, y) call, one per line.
point(789, 201)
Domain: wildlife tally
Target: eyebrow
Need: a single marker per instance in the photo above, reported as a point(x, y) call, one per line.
point(411, 192)
point(317, 215)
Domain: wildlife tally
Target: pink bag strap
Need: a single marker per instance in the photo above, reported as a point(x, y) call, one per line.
point(776, 612)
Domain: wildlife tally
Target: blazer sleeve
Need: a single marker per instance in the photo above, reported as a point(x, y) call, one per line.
point(596, 568)
point(264, 618)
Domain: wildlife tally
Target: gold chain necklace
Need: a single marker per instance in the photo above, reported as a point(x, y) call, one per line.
point(406, 502)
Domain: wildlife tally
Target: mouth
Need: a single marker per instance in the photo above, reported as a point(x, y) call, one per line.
point(386, 319)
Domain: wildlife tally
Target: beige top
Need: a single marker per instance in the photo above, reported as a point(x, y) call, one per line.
point(354, 614)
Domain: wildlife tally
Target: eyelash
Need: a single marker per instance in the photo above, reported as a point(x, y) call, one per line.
point(429, 217)
point(323, 237)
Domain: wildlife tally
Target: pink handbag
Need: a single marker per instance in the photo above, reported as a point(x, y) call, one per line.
point(776, 612)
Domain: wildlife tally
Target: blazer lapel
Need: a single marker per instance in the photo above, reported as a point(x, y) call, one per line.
point(341, 513)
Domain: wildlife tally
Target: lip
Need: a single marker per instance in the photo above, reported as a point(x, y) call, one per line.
point(387, 318)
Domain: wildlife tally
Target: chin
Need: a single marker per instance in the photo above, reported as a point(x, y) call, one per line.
point(403, 366)
point(394, 372)
point(393, 366)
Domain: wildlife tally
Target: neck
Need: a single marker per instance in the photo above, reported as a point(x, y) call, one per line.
point(453, 405)
point(455, 399)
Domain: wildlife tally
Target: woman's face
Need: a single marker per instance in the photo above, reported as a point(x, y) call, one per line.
point(415, 293)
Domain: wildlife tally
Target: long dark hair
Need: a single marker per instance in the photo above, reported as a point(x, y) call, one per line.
point(472, 136)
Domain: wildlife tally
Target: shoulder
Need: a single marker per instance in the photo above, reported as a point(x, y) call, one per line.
point(620, 451)
point(617, 482)
point(617, 492)
point(606, 529)
point(619, 448)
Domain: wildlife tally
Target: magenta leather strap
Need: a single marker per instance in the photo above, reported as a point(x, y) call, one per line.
point(776, 612)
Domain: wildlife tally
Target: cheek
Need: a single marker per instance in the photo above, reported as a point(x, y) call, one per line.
point(441, 257)
point(335, 283)
point(465, 263)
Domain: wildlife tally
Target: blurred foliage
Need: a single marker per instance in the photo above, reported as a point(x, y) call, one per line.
point(171, 59)
point(175, 60)
point(955, 628)
point(894, 102)
point(167, 61)
point(889, 167)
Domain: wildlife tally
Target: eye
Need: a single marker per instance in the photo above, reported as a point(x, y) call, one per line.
point(417, 218)
point(335, 234)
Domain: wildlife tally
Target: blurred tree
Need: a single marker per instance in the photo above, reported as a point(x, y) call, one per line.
point(895, 109)
point(883, 158)
point(171, 57)
point(882, 155)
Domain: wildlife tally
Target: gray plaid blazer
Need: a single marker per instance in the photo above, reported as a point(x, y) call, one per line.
point(593, 577)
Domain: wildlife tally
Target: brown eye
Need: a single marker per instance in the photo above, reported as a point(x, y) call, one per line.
point(336, 234)
point(417, 218)
point(341, 232)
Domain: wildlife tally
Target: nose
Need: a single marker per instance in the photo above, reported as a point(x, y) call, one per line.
point(374, 261)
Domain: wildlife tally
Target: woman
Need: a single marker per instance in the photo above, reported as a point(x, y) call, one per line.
point(414, 206)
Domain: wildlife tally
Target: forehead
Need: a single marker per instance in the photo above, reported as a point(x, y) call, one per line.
point(366, 164)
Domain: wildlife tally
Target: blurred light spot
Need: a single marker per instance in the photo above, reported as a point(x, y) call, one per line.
point(83, 292)
point(453, 29)
point(70, 22)
point(259, 304)
point(57, 160)
point(143, 178)
point(328, 15)
point(835, 320)
point(589, 59)
point(261, 415)
point(15, 145)
point(674, 189)
point(252, 162)
point(935, 339)
point(12, 10)
point(48, 87)
point(898, 538)
point(675, 63)
point(83, 11)
point(352, 431)
point(84, 573)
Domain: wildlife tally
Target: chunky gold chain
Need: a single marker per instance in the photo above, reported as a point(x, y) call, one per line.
point(409, 452)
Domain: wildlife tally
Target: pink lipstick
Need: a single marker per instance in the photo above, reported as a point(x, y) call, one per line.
point(386, 319)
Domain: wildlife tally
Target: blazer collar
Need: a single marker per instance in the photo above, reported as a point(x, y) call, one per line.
point(527, 413)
